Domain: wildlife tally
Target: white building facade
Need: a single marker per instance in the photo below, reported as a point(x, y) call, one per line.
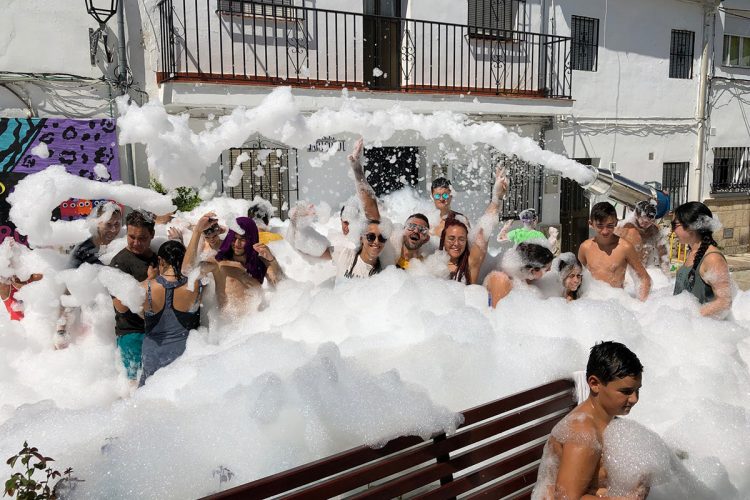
point(656, 90)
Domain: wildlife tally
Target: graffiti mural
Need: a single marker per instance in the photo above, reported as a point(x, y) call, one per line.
point(29, 145)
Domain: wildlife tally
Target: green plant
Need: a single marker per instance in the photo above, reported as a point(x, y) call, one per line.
point(184, 198)
point(23, 485)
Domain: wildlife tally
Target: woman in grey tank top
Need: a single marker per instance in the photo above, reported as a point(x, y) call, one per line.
point(705, 273)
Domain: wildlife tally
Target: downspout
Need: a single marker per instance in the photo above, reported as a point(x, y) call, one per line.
point(696, 186)
point(122, 78)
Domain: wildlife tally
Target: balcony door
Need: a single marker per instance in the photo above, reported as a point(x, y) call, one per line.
point(382, 44)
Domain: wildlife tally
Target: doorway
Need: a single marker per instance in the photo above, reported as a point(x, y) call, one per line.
point(574, 213)
point(382, 44)
point(391, 168)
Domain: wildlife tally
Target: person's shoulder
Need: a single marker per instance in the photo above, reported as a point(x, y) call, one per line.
point(120, 258)
point(577, 428)
point(497, 279)
point(586, 245)
point(713, 257)
point(624, 244)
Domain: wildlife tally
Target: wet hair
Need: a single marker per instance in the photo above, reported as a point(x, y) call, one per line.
point(419, 216)
point(645, 207)
point(258, 212)
point(141, 218)
point(440, 182)
point(254, 266)
point(566, 263)
point(692, 214)
point(612, 360)
point(463, 260)
point(602, 211)
point(116, 210)
point(173, 252)
point(534, 255)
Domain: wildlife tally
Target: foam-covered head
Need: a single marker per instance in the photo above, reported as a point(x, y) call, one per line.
point(646, 208)
point(528, 216)
point(696, 216)
point(612, 360)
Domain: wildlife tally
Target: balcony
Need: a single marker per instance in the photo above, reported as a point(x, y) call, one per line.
point(258, 43)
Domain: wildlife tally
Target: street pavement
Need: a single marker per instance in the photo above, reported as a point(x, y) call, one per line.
point(739, 267)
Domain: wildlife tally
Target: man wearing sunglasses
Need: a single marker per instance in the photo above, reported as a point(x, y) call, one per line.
point(643, 232)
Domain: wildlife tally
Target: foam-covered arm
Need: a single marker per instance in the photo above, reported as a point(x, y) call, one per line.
point(715, 272)
point(302, 236)
point(364, 191)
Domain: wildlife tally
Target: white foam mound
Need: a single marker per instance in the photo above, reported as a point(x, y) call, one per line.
point(31, 212)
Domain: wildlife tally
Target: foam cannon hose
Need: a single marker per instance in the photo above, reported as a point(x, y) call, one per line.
point(623, 190)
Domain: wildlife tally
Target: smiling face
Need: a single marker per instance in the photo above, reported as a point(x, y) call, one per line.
point(604, 228)
point(456, 239)
point(238, 245)
point(372, 241)
point(416, 233)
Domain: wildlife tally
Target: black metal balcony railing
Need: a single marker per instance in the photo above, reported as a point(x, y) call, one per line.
point(253, 42)
point(731, 170)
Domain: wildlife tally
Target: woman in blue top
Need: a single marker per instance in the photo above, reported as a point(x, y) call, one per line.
point(170, 311)
point(705, 273)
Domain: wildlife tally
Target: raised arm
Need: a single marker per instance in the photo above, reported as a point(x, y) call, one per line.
point(503, 235)
point(304, 238)
point(715, 271)
point(634, 261)
point(498, 192)
point(191, 251)
point(364, 190)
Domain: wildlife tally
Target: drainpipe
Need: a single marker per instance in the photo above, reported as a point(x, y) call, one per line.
point(696, 183)
point(122, 78)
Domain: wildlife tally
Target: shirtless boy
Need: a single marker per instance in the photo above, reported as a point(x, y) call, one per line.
point(571, 466)
point(607, 256)
point(644, 234)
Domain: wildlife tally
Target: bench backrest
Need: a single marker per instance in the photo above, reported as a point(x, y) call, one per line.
point(494, 453)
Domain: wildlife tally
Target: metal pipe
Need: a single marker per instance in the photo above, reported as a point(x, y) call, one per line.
point(122, 77)
point(619, 188)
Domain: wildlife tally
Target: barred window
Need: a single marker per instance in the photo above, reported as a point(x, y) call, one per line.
point(674, 181)
point(731, 170)
point(681, 52)
point(584, 32)
point(491, 17)
point(261, 8)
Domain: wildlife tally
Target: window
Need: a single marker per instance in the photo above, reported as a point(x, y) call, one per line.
point(584, 32)
point(525, 190)
point(681, 53)
point(674, 181)
point(261, 8)
point(491, 17)
point(731, 170)
point(269, 172)
point(736, 51)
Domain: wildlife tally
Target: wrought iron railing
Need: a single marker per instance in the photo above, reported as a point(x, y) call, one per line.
point(731, 170)
point(253, 42)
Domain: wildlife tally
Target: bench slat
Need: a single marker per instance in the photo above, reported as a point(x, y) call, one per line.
point(508, 486)
point(411, 458)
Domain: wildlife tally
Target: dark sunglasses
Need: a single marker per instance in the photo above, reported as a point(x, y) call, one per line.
point(416, 227)
point(211, 230)
point(371, 237)
point(444, 196)
point(536, 269)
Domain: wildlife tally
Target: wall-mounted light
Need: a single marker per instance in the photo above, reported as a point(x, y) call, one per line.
point(102, 11)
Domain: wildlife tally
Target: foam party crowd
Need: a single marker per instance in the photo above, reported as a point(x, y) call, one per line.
point(148, 349)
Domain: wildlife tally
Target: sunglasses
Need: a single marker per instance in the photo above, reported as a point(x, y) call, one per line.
point(211, 230)
point(536, 269)
point(675, 224)
point(416, 227)
point(444, 196)
point(371, 237)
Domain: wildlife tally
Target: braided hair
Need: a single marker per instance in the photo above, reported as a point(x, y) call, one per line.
point(692, 215)
point(173, 252)
point(463, 259)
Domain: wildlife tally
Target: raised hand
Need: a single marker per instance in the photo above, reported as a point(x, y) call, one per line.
point(357, 151)
point(264, 252)
point(501, 184)
point(205, 221)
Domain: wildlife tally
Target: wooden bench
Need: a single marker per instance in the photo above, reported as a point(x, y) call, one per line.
point(494, 454)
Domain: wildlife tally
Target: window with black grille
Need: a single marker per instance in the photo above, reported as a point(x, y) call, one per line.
point(731, 170)
point(260, 8)
point(491, 18)
point(674, 181)
point(681, 52)
point(584, 32)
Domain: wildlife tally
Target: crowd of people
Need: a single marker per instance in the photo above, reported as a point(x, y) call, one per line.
point(235, 253)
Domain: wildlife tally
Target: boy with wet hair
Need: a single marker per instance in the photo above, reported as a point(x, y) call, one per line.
point(643, 232)
point(607, 256)
point(442, 196)
point(571, 465)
